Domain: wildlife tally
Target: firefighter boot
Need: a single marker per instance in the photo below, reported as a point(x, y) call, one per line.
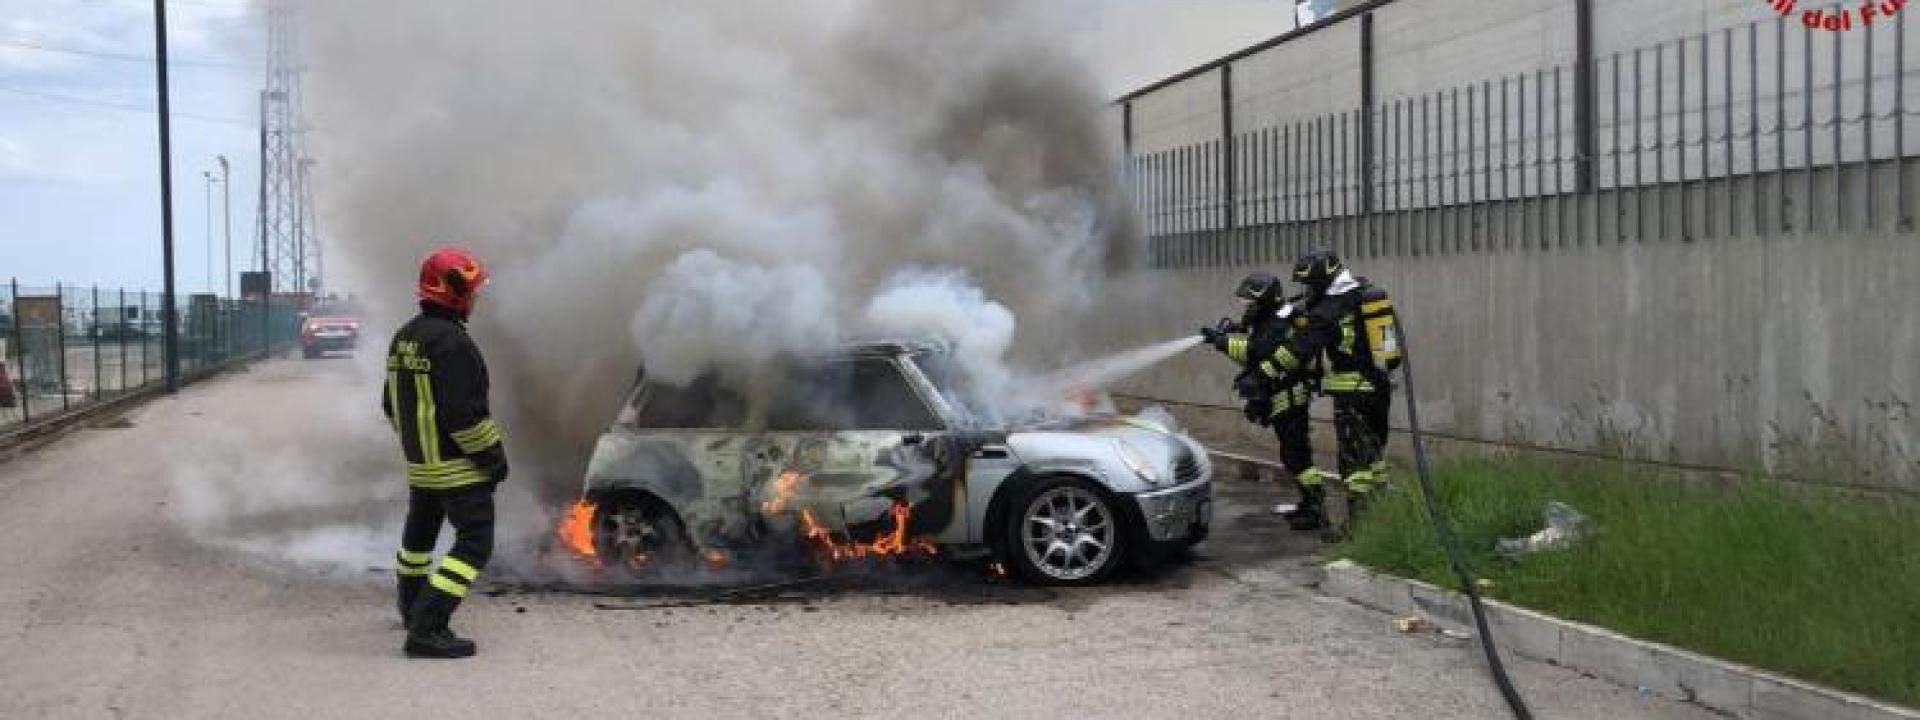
point(1309, 513)
point(427, 633)
point(409, 592)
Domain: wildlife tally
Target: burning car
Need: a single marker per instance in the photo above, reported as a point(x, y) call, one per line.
point(866, 452)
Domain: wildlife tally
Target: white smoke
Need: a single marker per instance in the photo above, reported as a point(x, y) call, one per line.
point(691, 184)
point(683, 186)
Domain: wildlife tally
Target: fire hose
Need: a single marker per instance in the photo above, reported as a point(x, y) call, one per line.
point(1443, 530)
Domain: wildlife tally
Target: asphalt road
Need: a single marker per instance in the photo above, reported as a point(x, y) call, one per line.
point(144, 574)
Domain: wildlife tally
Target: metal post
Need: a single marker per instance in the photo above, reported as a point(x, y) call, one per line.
point(1726, 126)
point(1398, 171)
point(1540, 156)
point(1839, 123)
point(1228, 190)
point(1520, 157)
point(1344, 184)
point(20, 351)
point(1452, 156)
point(145, 342)
point(1639, 153)
point(1903, 223)
point(1619, 188)
point(1753, 126)
point(1368, 205)
point(1780, 121)
point(169, 321)
point(96, 342)
point(1680, 145)
point(1866, 117)
point(1559, 164)
point(1660, 135)
point(1586, 113)
point(1486, 168)
point(1706, 139)
point(1426, 176)
point(60, 339)
point(226, 212)
point(1506, 169)
point(120, 321)
point(1806, 163)
point(1472, 239)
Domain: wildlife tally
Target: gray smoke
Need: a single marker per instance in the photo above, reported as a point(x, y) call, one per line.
point(688, 185)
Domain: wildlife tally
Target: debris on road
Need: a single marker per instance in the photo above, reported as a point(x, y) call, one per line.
point(1412, 624)
point(1564, 527)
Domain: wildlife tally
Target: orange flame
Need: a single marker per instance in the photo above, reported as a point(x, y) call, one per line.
point(783, 488)
point(889, 544)
point(576, 529)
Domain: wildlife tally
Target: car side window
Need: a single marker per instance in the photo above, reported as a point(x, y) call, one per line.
point(865, 394)
point(702, 405)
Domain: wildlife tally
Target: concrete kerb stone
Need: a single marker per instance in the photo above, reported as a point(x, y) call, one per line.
point(1733, 688)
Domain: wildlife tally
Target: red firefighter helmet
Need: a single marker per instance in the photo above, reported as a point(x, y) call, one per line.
point(450, 277)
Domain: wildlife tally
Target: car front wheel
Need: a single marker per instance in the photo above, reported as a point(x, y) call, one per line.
point(1065, 531)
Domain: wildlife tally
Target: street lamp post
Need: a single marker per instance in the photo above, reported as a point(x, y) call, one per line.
point(226, 210)
point(208, 176)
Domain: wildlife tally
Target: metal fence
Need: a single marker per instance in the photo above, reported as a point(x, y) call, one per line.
point(1756, 128)
point(67, 347)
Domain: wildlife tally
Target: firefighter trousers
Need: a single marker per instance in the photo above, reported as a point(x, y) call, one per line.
point(1360, 422)
point(470, 511)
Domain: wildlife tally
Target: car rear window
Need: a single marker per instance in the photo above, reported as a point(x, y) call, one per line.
point(703, 404)
point(866, 394)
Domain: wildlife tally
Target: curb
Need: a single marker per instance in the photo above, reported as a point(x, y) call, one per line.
point(1739, 690)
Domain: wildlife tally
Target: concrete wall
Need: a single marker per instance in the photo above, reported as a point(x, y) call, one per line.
point(1735, 316)
point(1789, 351)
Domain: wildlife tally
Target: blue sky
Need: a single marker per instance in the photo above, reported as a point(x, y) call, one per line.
point(79, 194)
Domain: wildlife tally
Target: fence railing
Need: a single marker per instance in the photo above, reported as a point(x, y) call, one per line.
point(69, 347)
point(1757, 128)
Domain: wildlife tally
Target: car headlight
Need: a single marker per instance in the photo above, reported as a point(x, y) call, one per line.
point(1135, 461)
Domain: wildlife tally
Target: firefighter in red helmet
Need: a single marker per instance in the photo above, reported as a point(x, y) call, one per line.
point(436, 397)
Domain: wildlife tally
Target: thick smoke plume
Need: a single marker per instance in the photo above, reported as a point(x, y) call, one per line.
point(690, 185)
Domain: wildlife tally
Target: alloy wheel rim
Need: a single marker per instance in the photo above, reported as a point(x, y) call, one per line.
point(1067, 533)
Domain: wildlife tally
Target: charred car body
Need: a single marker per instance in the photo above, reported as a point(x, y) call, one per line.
point(863, 452)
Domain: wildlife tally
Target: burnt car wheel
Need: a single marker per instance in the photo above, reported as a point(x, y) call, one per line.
point(634, 533)
point(1065, 531)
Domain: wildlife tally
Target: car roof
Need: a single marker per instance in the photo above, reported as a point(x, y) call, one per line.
point(888, 348)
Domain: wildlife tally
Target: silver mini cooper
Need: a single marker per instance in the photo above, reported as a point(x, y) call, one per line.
point(868, 452)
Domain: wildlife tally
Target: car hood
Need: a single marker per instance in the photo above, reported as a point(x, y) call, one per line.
point(1089, 444)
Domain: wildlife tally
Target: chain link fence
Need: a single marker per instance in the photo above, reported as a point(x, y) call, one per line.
point(66, 347)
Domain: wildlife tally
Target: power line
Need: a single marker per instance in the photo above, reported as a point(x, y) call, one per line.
point(124, 57)
point(127, 107)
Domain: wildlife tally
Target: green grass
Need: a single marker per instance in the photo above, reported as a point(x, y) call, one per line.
point(1812, 583)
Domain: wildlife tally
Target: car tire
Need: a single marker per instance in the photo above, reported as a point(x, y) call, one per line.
point(635, 534)
point(1065, 531)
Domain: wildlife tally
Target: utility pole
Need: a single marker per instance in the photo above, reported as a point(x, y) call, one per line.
point(170, 321)
point(208, 176)
point(226, 212)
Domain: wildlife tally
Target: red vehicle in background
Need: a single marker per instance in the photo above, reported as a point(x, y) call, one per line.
point(330, 326)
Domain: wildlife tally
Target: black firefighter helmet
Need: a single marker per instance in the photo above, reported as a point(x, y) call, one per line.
point(1317, 269)
point(1260, 289)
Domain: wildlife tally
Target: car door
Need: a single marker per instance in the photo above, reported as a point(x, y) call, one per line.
point(848, 442)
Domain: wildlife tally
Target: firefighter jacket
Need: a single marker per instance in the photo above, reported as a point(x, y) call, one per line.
point(1351, 326)
point(1265, 333)
point(436, 398)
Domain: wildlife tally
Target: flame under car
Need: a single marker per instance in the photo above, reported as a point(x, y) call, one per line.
point(864, 453)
